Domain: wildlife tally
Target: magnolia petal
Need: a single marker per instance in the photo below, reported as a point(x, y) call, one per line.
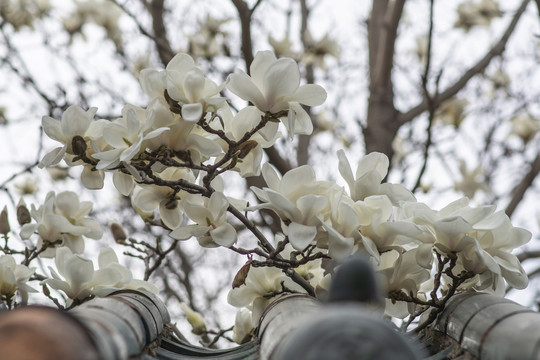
point(171, 216)
point(300, 236)
point(153, 82)
point(193, 84)
point(301, 122)
point(53, 157)
point(283, 205)
point(296, 178)
point(260, 65)
point(192, 112)
point(310, 94)
point(280, 79)
point(75, 120)
point(123, 182)
point(344, 168)
point(424, 255)
point(224, 235)
point(92, 179)
point(147, 199)
point(244, 87)
point(52, 128)
point(106, 257)
point(373, 161)
point(183, 232)
point(311, 205)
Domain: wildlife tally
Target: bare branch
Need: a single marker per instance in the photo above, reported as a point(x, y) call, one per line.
point(476, 69)
point(244, 13)
point(166, 53)
point(521, 188)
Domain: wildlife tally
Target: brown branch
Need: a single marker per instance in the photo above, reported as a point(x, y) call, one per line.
point(497, 50)
point(244, 13)
point(521, 188)
point(528, 255)
point(156, 9)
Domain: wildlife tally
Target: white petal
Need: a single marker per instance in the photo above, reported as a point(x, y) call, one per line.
point(300, 236)
point(153, 82)
point(224, 235)
point(244, 87)
point(373, 161)
point(53, 157)
point(123, 182)
point(171, 217)
point(192, 112)
point(183, 232)
point(52, 129)
point(281, 79)
point(92, 179)
point(310, 94)
point(106, 257)
point(75, 121)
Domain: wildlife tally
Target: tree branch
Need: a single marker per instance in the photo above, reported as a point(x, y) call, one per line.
point(156, 9)
point(244, 14)
point(521, 188)
point(476, 69)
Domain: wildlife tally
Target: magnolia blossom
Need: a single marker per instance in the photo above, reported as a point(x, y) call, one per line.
point(210, 215)
point(126, 137)
point(77, 278)
point(402, 273)
point(249, 163)
point(75, 122)
point(274, 86)
point(186, 84)
point(371, 171)
point(147, 198)
point(299, 200)
point(62, 220)
point(243, 326)
point(14, 277)
point(258, 291)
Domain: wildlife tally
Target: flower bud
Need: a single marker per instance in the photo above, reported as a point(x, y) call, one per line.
point(195, 319)
point(23, 215)
point(4, 222)
point(78, 144)
point(118, 232)
point(246, 147)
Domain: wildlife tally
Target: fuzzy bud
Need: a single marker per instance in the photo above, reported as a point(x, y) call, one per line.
point(23, 215)
point(4, 222)
point(195, 319)
point(118, 232)
point(78, 144)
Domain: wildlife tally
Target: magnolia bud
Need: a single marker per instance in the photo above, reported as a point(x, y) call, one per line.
point(4, 222)
point(195, 319)
point(246, 147)
point(78, 144)
point(23, 215)
point(118, 232)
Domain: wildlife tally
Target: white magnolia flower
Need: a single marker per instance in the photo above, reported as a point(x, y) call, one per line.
point(402, 273)
point(147, 198)
point(524, 126)
point(274, 86)
point(126, 137)
point(371, 170)
point(62, 220)
point(282, 47)
point(210, 215)
point(76, 276)
point(243, 326)
point(185, 83)
point(75, 122)
point(471, 180)
point(317, 50)
point(237, 126)
point(261, 283)
point(14, 277)
point(299, 200)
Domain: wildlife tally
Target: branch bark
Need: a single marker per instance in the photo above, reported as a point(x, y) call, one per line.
point(382, 123)
point(521, 188)
point(156, 9)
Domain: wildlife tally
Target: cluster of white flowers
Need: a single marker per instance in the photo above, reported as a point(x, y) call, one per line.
point(480, 13)
point(78, 279)
point(169, 157)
